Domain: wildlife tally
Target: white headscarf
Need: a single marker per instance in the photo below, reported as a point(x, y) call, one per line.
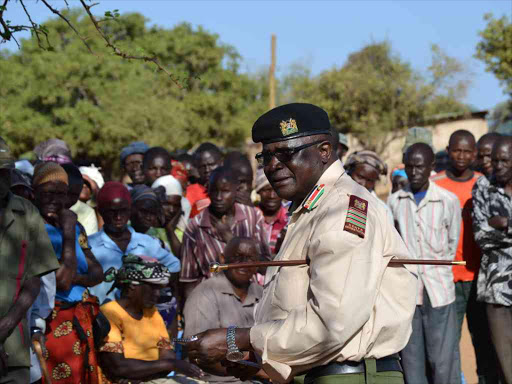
point(170, 183)
point(94, 174)
point(173, 188)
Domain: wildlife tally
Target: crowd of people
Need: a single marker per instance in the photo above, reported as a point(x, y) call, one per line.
point(104, 274)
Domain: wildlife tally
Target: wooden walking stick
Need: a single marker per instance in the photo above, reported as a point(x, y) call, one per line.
point(217, 267)
point(42, 362)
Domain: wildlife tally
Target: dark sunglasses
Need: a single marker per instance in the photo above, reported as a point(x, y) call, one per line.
point(283, 155)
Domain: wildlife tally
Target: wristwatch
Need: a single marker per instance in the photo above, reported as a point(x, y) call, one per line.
point(233, 354)
point(35, 330)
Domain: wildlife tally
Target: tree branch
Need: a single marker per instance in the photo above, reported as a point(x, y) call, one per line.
point(69, 24)
point(34, 27)
point(118, 52)
point(4, 5)
point(6, 34)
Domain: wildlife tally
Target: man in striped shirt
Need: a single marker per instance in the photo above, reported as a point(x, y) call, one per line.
point(460, 179)
point(429, 218)
point(208, 233)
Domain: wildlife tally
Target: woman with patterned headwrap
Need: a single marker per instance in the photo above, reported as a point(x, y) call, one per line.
point(366, 167)
point(138, 345)
point(71, 357)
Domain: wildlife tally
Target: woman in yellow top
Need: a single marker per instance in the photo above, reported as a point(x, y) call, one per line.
point(138, 347)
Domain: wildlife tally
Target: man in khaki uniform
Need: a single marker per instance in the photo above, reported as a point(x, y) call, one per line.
point(26, 254)
point(343, 318)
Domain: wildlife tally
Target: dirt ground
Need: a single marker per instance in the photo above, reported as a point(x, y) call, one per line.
point(468, 356)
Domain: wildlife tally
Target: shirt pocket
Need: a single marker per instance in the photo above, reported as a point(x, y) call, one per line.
point(291, 287)
point(435, 237)
point(15, 268)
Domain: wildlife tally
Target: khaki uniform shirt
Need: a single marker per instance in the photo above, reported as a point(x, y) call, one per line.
point(25, 252)
point(214, 304)
point(348, 304)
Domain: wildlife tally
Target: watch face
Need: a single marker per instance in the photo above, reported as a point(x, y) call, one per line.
point(235, 356)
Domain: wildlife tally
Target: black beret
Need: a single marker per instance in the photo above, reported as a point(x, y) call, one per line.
point(289, 122)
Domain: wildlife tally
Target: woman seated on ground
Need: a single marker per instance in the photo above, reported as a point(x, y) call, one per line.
point(71, 355)
point(138, 345)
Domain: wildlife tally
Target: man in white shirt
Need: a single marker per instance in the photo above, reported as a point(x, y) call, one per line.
point(428, 218)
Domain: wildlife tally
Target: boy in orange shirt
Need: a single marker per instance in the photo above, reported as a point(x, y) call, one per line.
point(459, 179)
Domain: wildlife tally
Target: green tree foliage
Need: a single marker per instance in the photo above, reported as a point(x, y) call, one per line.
point(99, 103)
point(375, 92)
point(495, 49)
point(501, 114)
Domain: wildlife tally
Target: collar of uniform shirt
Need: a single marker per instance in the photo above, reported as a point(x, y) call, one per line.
point(328, 178)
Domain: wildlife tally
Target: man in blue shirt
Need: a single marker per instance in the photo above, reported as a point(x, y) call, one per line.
point(117, 238)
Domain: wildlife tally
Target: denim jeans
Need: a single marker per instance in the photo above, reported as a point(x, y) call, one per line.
point(433, 343)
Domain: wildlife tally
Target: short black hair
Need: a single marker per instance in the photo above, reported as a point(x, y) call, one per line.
point(461, 133)
point(153, 153)
point(235, 159)
point(208, 147)
point(490, 137)
point(74, 174)
point(225, 173)
point(424, 149)
point(234, 244)
point(186, 157)
point(504, 141)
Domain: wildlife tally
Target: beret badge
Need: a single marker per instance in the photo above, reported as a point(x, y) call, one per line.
point(289, 127)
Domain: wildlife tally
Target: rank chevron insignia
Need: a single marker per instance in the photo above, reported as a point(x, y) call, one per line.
point(314, 196)
point(356, 216)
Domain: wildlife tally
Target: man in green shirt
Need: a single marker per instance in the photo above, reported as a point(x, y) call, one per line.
point(26, 254)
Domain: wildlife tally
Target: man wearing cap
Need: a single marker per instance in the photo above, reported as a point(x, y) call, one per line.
point(343, 317)
point(21, 185)
point(342, 147)
point(26, 254)
point(131, 161)
point(417, 135)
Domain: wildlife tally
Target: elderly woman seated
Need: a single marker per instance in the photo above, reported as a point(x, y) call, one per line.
point(137, 347)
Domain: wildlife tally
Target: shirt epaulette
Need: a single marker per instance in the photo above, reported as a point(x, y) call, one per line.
point(356, 216)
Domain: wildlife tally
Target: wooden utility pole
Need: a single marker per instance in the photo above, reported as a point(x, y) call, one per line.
point(272, 75)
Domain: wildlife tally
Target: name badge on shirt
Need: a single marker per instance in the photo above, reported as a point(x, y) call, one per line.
point(356, 216)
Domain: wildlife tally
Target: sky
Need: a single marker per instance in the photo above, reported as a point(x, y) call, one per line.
point(321, 34)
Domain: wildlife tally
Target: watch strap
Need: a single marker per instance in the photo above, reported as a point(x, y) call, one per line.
point(233, 353)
